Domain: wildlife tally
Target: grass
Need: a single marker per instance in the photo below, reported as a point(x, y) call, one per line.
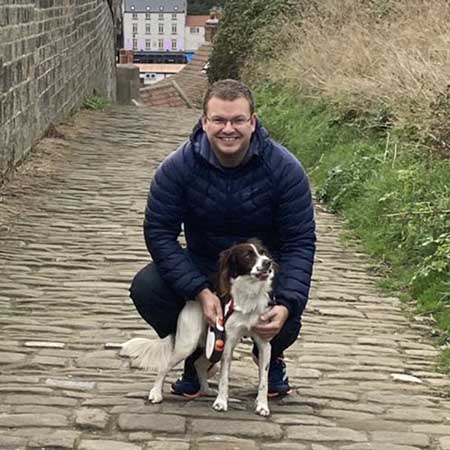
point(394, 197)
point(95, 103)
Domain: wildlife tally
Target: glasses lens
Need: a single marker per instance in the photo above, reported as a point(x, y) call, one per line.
point(221, 122)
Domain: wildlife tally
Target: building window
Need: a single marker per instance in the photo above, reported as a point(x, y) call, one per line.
point(135, 28)
point(174, 28)
point(135, 16)
point(148, 16)
point(148, 44)
point(161, 16)
point(174, 44)
point(160, 28)
point(134, 44)
point(147, 28)
point(195, 30)
point(160, 44)
point(174, 16)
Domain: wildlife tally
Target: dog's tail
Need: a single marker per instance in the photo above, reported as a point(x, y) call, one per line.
point(149, 354)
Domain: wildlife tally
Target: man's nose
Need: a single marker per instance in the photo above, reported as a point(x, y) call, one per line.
point(228, 128)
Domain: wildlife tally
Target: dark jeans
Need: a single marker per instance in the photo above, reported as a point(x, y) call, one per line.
point(160, 306)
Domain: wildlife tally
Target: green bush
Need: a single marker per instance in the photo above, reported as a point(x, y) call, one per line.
point(238, 35)
point(395, 198)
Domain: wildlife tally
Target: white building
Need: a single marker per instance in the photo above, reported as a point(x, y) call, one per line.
point(154, 25)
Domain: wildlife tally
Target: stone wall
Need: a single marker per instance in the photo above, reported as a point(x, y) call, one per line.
point(53, 54)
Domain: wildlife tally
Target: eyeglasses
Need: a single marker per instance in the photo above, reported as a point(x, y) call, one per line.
point(235, 122)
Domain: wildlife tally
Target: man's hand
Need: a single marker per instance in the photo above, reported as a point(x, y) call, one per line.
point(212, 309)
point(271, 322)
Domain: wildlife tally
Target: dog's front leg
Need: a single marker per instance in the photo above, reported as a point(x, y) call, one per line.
point(221, 402)
point(264, 349)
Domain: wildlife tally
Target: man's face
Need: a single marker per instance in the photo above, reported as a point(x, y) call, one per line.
point(229, 126)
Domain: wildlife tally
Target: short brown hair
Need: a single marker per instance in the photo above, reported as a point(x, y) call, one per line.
point(228, 90)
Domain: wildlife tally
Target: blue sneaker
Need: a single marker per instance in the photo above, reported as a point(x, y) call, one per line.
point(186, 386)
point(278, 380)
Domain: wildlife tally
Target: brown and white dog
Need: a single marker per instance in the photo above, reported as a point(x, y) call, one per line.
point(245, 275)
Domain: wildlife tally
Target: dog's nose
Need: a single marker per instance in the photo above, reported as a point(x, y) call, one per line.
point(266, 265)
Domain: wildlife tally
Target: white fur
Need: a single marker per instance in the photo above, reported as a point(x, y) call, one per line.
point(251, 299)
point(148, 354)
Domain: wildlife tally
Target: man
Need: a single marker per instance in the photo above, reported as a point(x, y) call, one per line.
point(229, 182)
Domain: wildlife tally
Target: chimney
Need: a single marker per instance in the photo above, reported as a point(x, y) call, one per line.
point(130, 57)
point(212, 24)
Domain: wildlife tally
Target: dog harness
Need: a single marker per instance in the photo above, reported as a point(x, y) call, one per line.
point(215, 338)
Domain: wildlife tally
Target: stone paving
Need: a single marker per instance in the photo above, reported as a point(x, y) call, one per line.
point(70, 242)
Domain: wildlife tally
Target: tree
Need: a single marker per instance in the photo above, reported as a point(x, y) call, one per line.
point(237, 36)
point(203, 6)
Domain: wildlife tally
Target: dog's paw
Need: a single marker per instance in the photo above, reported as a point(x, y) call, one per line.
point(220, 405)
point(155, 396)
point(262, 409)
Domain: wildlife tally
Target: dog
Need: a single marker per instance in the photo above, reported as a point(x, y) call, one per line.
point(245, 277)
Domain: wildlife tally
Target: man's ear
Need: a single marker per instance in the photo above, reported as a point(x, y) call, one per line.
point(203, 119)
point(253, 121)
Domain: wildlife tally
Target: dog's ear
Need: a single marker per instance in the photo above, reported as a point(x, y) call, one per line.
point(227, 270)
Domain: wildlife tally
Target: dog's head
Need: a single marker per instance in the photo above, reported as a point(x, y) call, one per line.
point(250, 259)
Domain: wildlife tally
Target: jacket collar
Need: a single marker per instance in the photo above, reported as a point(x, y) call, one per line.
point(202, 147)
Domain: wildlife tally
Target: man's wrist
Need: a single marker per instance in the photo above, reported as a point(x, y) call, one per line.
point(203, 294)
point(284, 309)
point(282, 302)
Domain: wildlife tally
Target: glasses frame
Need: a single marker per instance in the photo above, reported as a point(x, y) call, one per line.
point(221, 122)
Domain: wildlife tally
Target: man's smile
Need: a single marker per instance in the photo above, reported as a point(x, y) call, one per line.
point(229, 138)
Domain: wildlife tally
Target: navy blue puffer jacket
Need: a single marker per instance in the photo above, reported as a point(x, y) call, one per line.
point(267, 197)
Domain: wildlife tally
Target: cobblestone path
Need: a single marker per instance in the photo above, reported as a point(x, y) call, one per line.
point(70, 242)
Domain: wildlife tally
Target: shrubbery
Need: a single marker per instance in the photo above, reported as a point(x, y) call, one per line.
point(249, 28)
point(396, 199)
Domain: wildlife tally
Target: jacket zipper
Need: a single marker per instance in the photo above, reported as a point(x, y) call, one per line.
point(228, 200)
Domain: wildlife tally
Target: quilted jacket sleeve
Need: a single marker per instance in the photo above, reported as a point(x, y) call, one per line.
point(162, 225)
point(296, 228)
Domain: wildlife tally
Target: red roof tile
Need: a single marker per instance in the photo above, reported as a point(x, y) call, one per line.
point(196, 21)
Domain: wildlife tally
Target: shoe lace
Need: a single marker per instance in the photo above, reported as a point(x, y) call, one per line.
point(188, 378)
